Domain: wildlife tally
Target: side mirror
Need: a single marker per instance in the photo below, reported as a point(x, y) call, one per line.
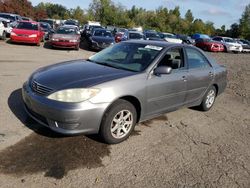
point(78, 32)
point(162, 70)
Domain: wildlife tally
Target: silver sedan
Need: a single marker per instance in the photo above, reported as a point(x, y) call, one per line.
point(127, 83)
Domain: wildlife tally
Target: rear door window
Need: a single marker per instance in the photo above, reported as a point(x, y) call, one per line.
point(196, 60)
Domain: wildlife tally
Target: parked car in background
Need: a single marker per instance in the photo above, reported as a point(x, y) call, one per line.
point(27, 32)
point(52, 22)
point(67, 36)
point(209, 45)
point(7, 24)
point(88, 28)
point(152, 35)
point(230, 45)
point(169, 37)
point(198, 35)
point(186, 39)
point(3, 31)
point(130, 82)
point(100, 39)
point(47, 29)
point(14, 18)
point(71, 22)
point(245, 44)
point(129, 35)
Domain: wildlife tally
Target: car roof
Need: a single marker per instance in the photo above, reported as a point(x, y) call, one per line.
point(69, 26)
point(135, 32)
point(26, 21)
point(3, 13)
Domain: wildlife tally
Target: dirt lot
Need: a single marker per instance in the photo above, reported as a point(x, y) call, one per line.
point(186, 148)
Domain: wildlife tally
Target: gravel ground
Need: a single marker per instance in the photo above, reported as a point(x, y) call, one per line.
point(185, 148)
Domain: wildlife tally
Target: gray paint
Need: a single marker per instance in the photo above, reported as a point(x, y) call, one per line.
point(157, 94)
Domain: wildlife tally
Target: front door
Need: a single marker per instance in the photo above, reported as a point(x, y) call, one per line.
point(167, 91)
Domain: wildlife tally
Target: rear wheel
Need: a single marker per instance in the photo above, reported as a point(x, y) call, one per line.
point(118, 122)
point(208, 99)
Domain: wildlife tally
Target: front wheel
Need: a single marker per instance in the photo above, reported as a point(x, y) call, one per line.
point(4, 35)
point(118, 122)
point(208, 99)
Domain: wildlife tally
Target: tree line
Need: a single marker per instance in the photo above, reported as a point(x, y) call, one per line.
point(109, 13)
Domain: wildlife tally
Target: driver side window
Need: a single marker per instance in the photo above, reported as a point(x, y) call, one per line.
point(173, 58)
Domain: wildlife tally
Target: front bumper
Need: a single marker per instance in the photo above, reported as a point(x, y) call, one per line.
point(235, 49)
point(64, 118)
point(22, 39)
point(58, 44)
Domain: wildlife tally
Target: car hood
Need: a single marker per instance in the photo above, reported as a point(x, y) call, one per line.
point(65, 36)
point(103, 39)
point(76, 74)
point(24, 31)
point(234, 44)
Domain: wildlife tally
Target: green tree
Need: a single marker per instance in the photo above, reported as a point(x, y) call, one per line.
point(245, 23)
point(189, 16)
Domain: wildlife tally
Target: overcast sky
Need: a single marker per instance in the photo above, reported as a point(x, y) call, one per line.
point(220, 12)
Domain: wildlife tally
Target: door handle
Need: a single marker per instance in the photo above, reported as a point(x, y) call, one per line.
point(211, 74)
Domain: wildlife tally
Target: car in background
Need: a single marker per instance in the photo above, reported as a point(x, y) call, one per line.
point(13, 18)
point(71, 22)
point(169, 37)
point(199, 35)
point(7, 24)
point(47, 29)
point(52, 22)
point(3, 31)
point(127, 83)
point(67, 36)
point(245, 44)
point(186, 39)
point(89, 27)
point(209, 45)
point(230, 45)
point(100, 39)
point(27, 32)
point(129, 35)
point(152, 35)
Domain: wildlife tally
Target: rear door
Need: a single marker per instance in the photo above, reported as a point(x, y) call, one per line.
point(167, 91)
point(200, 74)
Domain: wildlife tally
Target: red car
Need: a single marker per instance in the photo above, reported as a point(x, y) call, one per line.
point(118, 37)
point(27, 32)
point(207, 44)
point(67, 36)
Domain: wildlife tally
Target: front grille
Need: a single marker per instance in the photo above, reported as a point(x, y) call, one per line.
point(40, 89)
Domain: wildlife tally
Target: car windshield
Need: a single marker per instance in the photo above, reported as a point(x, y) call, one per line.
point(45, 25)
point(65, 30)
point(70, 23)
point(170, 36)
point(135, 36)
point(152, 35)
point(229, 40)
point(27, 25)
point(128, 56)
point(102, 33)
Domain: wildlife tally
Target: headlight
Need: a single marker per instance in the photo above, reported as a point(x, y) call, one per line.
point(33, 35)
point(13, 34)
point(53, 39)
point(73, 95)
point(73, 40)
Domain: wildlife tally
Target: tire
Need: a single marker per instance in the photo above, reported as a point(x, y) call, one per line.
point(77, 47)
point(113, 129)
point(208, 99)
point(4, 36)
